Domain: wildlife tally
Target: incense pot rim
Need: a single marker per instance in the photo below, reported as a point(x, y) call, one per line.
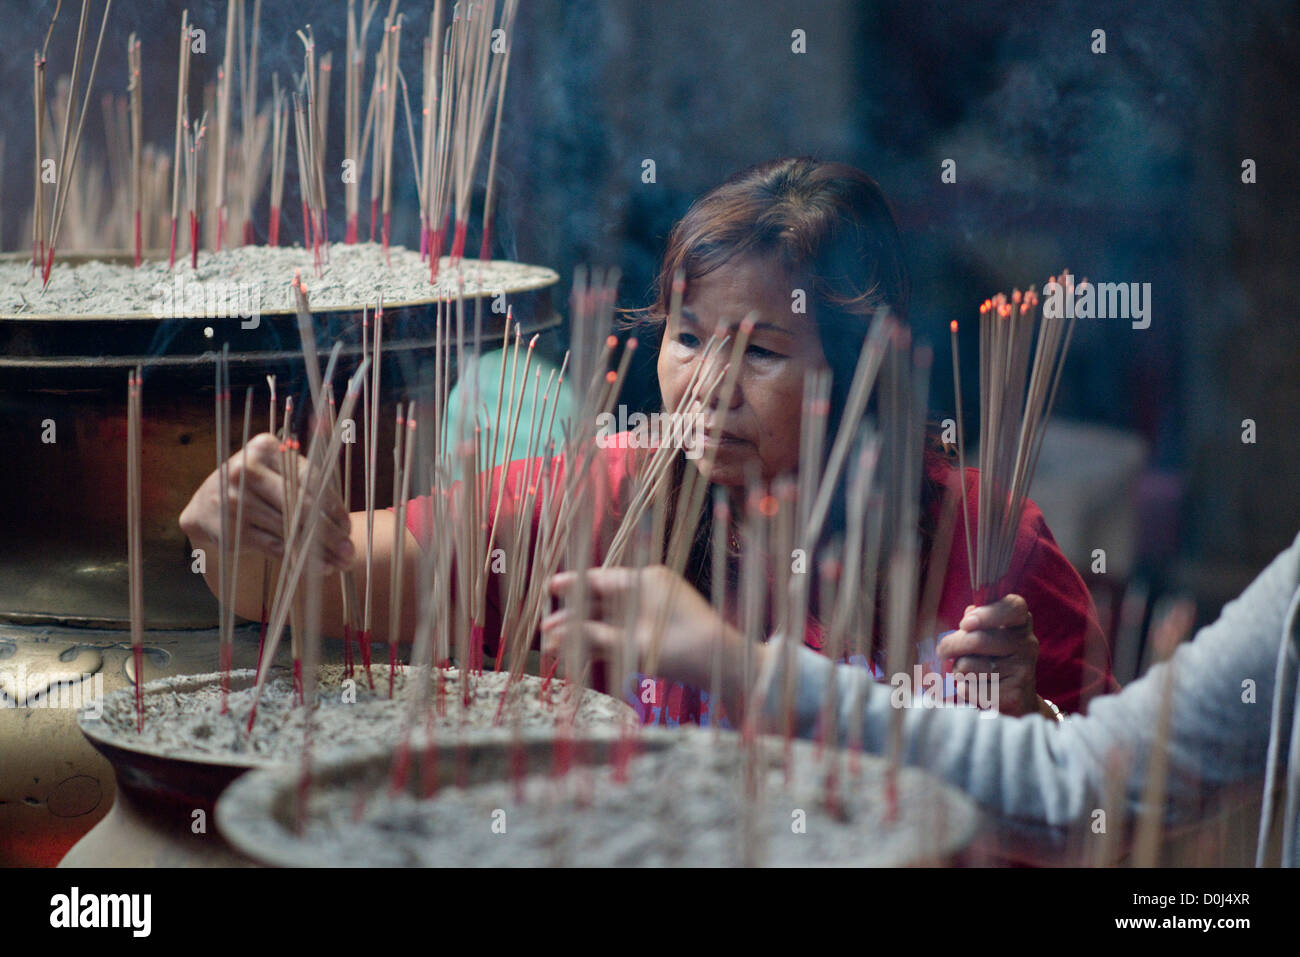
point(535, 278)
point(255, 814)
point(107, 740)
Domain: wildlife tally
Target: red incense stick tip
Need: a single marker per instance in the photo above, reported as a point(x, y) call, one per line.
point(953, 326)
point(401, 766)
point(458, 243)
point(137, 654)
point(768, 506)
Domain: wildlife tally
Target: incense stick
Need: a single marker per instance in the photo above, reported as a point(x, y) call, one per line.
point(133, 90)
point(135, 561)
point(182, 111)
point(225, 77)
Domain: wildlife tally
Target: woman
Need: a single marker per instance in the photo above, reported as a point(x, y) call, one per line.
point(793, 230)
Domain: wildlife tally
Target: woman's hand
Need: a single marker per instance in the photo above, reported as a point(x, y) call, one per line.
point(999, 638)
point(674, 630)
point(264, 506)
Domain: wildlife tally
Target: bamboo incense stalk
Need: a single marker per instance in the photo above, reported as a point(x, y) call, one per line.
point(320, 130)
point(182, 111)
point(306, 181)
point(1166, 635)
point(225, 79)
point(354, 77)
point(253, 123)
point(372, 460)
point(392, 42)
point(38, 94)
point(134, 91)
point(961, 451)
point(222, 410)
point(489, 207)
point(279, 146)
point(403, 445)
point(193, 153)
point(227, 649)
point(266, 562)
point(38, 204)
point(135, 563)
point(905, 398)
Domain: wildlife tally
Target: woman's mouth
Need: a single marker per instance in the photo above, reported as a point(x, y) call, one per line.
point(726, 441)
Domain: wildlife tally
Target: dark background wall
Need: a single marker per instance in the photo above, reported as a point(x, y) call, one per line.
point(1123, 166)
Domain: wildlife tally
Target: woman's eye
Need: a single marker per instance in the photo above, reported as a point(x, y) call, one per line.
point(688, 340)
point(759, 352)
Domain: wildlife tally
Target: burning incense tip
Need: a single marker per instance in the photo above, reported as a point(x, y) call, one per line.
point(953, 325)
point(768, 506)
point(611, 341)
point(611, 375)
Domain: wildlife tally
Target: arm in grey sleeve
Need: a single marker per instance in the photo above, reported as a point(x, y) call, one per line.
point(1047, 773)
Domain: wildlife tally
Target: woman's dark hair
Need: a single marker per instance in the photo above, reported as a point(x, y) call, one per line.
point(830, 228)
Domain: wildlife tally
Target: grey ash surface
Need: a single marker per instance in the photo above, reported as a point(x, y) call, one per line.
point(354, 276)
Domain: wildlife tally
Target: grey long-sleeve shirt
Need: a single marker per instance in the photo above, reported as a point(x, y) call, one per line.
point(1233, 725)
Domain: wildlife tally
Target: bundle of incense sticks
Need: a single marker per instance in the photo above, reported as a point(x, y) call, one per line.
point(310, 138)
point(71, 138)
point(465, 68)
point(385, 117)
point(354, 73)
point(193, 135)
point(279, 143)
point(563, 486)
point(301, 522)
point(254, 123)
point(225, 79)
point(1022, 355)
point(904, 388)
point(98, 216)
point(135, 548)
point(464, 76)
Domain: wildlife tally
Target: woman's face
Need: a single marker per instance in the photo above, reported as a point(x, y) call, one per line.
point(762, 421)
